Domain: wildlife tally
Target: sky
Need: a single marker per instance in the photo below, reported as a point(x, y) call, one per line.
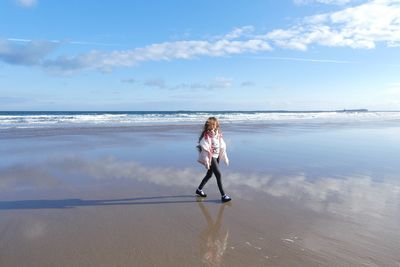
point(199, 55)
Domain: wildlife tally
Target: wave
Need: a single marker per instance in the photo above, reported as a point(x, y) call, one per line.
point(73, 119)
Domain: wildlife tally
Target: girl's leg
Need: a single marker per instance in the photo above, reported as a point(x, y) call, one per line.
point(206, 178)
point(215, 169)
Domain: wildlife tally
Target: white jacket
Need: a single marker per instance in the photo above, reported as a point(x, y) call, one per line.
point(205, 155)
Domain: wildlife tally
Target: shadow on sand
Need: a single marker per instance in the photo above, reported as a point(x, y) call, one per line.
point(76, 202)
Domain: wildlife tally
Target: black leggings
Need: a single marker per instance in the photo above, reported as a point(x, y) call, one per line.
point(214, 168)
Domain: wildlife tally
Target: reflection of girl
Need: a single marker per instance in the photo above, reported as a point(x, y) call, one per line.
point(212, 148)
point(213, 242)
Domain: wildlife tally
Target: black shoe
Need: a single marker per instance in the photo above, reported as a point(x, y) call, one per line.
point(225, 198)
point(200, 193)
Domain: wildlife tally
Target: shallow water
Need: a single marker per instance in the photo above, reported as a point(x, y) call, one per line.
point(302, 194)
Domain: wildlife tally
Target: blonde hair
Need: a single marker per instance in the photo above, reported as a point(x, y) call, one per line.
point(211, 121)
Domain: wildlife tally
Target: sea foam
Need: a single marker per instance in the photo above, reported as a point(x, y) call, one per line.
point(81, 119)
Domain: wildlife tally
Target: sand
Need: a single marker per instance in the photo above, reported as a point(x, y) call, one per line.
point(302, 196)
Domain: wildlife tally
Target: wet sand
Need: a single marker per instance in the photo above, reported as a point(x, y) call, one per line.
point(302, 196)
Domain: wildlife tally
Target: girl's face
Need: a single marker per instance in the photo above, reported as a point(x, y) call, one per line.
point(212, 125)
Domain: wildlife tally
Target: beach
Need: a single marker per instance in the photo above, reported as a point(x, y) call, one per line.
point(102, 104)
point(304, 194)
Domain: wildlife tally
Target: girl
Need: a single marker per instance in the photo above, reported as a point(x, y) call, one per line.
point(212, 148)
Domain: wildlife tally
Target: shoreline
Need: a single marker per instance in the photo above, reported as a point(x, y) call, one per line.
point(16, 132)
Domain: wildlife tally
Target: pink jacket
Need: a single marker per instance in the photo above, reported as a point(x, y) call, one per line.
point(205, 155)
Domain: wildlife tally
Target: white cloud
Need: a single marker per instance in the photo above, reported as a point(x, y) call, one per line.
point(159, 83)
point(221, 82)
point(361, 26)
point(247, 83)
point(239, 32)
point(27, 3)
point(156, 52)
point(215, 83)
point(129, 80)
point(27, 53)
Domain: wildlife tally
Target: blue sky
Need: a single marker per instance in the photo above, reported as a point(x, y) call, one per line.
point(199, 55)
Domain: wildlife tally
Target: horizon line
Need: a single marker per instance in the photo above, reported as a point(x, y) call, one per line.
point(230, 110)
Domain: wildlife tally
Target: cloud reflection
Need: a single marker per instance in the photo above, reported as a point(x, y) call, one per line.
point(349, 194)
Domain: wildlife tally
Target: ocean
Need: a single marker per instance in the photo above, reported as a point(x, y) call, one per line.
point(61, 119)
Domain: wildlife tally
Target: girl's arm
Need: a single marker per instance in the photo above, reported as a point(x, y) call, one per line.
point(205, 145)
point(223, 154)
point(205, 154)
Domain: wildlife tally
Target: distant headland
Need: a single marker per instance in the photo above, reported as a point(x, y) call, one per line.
point(353, 110)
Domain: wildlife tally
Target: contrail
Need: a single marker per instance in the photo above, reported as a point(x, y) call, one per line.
point(59, 42)
point(309, 60)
